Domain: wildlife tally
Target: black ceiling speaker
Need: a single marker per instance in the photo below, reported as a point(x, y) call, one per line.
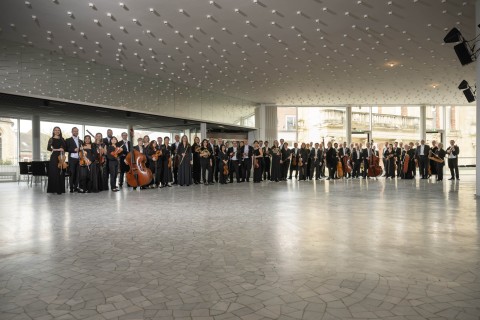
point(463, 85)
point(463, 53)
point(469, 95)
point(453, 36)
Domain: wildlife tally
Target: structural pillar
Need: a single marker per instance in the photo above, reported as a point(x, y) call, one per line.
point(348, 124)
point(203, 130)
point(477, 142)
point(36, 138)
point(423, 123)
point(266, 122)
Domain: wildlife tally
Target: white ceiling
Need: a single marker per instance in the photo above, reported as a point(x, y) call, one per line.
point(302, 52)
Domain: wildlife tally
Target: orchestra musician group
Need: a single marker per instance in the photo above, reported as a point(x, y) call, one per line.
point(97, 163)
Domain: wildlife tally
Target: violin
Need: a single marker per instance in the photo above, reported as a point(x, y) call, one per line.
point(115, 153)
point(169, 164)
point(62, 161)
point(82, 155)
point(300, 161)
point(156, 155)
point(101, 158)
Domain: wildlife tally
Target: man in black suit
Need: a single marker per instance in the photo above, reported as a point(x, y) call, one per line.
point(176, 158)
point(109, 136)
point(356, 160)
point(235, 156)
point(315, 157)
point(366, 153)
point(213, 148)
point(247, 153)
point(294, 165)
point(331, 159)
point(73, 146)
point(127, 147)
point(453, 152)
point(422, 156)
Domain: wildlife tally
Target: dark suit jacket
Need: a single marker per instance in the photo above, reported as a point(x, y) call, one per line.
point(250, 151)
point(457, 150)
point(239, 153)
point(331, 157)
point(71, 145)
point(425, 150)
point(121, 144)
point(354, 156)
point(285, 154)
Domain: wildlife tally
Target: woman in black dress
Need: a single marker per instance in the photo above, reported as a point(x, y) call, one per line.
point(390, 164)
point(276, 165)
point(186, 160)
point(257, 162)
point(88, 166)
point(153, 157)
point(112, 164)
point(223, 157)
point(166, 163)
point(101, 162)
point(196, 170)
point(303, 154)
point(206, 162)
point(56, 176)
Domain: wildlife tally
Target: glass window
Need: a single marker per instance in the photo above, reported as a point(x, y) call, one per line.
point(26, 140)
point(461, 127)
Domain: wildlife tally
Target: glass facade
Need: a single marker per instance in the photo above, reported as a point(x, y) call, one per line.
point(386, 123)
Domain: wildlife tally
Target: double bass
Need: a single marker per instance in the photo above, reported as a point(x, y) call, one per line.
point(347, 164)
point(406, 161)
point(374, 169)
point(138, 175)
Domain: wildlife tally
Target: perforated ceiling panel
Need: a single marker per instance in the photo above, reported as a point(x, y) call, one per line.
point(302, 52)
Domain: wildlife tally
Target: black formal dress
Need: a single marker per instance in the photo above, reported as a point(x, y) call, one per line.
point(196, 168)
point(266, 163)
point(390, 164)
point(257, 170)
point(184, 167)
point(89, 173)
point(223, 161)
point(276, 170)
point(166, 165)
point(112, 167)
point(433, 164)
point(154, 165)
point(102, 168)
point(286, 162)
point(439, 165)
point(56, 176)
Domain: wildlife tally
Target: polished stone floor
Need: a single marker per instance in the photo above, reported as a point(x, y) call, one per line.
point(295, 250)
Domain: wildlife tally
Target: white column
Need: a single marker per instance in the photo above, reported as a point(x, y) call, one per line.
point(348, 125)
point(36, 138)
point(203, 130)
point(477, 143)
point(266, 122)
point(423, 123)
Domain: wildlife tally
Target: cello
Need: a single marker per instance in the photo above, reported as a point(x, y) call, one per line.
point(374, 169)
point(138, 175)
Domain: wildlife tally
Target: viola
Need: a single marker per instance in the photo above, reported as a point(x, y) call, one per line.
point(83, 158)
point(62, 161)
point(115, 153)
point(156, 155)
point(101, 158)
point(138, 175)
